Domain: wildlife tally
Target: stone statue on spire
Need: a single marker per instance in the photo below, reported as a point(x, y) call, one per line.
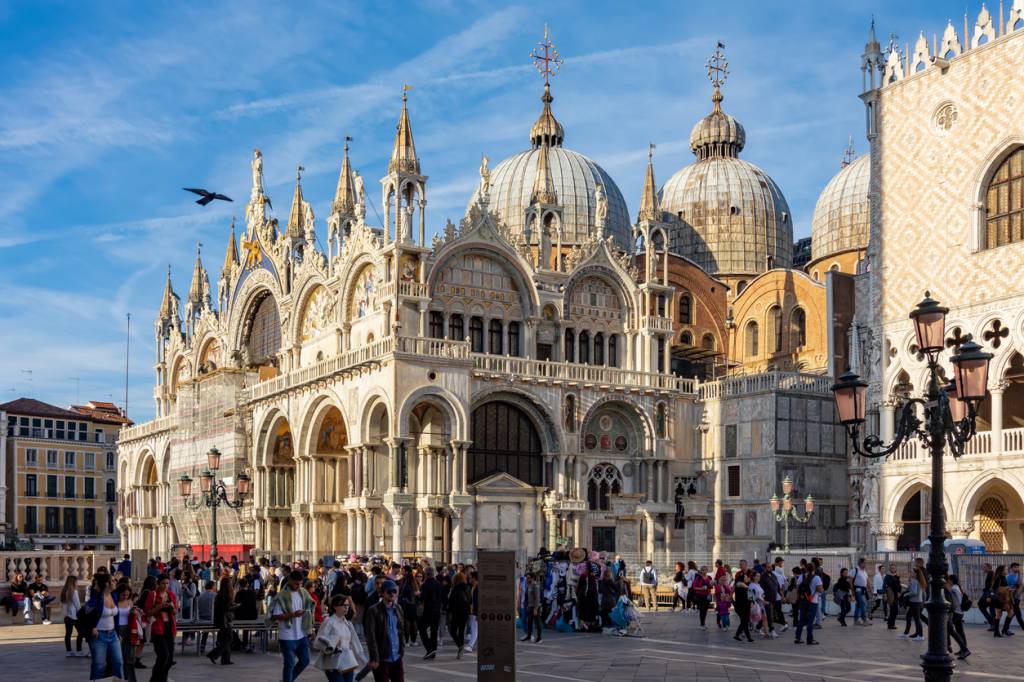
point(255, 211)
point(360, 198)
point(485, 177)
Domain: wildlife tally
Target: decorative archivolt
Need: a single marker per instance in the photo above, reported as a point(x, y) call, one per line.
point(258, 284)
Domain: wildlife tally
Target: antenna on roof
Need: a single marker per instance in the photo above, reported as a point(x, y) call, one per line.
point(127, 346)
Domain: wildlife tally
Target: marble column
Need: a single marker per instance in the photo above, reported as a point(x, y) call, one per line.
point(577, 531)
point(360, 533)
point(887, 419)
point(997, 416)
point(649, 553)
point(428, 547)
point(350, 540)
point(456, 522)
point(396, 532)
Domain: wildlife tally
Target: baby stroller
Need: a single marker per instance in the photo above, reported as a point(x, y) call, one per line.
point(626, 618)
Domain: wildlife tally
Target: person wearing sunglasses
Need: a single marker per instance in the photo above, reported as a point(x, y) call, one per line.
point(384, 624)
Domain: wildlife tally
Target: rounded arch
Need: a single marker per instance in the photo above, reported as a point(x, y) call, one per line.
point(636, 416)
point(985, 173)
point(609, 277)
point(259, 284)
point(275, 440)
point(534, 407)
point(211, 353)
point(906, 489)
point(455, 418)
point(512, 261)
point(506, 439)
point(375, 417)
point(324, 411)
point(313, 286)
point(148, 472)
point(1005, 480)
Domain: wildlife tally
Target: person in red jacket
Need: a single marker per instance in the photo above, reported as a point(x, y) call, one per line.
point(162, 607)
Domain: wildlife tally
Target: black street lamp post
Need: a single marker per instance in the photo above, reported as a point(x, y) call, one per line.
point(214, 493)
point(949, 420)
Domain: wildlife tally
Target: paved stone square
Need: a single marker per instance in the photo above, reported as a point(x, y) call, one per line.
point(673, 648)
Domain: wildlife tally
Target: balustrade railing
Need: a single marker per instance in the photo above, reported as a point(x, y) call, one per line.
point(578, 373)
point(796, 382)
point(418, 289)
point(52, 567)
point(437, 348)
point(657, 323)
point(1013, 441)
point(146, 429)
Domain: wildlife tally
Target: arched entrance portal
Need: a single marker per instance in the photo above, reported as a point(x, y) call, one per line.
point(326, 526)
point(998, 516)
point(431, 473)
point(504, 441)
point(278, 488)
point(914, 517)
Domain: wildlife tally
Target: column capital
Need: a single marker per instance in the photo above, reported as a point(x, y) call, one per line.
point(456, 444)
point(999, 387)
point(887, 530)
point(959, 529)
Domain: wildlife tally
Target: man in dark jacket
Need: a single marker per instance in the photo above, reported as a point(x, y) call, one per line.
point(383, 627)
point(430, 599)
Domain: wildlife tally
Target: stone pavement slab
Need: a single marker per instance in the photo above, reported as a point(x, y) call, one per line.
point(672, 648)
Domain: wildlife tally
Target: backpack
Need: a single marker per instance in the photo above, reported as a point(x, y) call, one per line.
point(803, 590)
point(826, 579)
point(965, 602)
point(647, 576)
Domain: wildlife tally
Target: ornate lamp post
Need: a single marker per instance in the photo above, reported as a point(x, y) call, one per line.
point(783, 510)
point(949, 419)
point(214, 493)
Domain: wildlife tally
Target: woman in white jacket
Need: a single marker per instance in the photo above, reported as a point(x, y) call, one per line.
point(340, 653)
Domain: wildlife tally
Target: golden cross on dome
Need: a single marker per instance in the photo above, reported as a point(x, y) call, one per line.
point(546, 58)
point(718, 67)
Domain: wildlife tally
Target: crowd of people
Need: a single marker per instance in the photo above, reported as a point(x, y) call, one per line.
point(359, 616)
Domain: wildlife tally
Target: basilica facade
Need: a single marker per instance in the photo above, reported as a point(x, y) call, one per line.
point(553, 370)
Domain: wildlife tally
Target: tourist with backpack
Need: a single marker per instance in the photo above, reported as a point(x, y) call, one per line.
point(809, 592)
point(960, 603)
point(649, 586)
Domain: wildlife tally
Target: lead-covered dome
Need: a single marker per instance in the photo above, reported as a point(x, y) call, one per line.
point(572, 177)
point(729, 216)
point(842, 216)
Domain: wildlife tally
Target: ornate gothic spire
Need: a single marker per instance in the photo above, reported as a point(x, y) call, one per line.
point(231, 257)
point(649, 209)
point(403, 154)
point(345, 195)
point(199, 290)
point(169, 304)
point(296, 228)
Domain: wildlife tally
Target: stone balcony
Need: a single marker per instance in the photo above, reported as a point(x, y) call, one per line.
point(577, 375)
point(657, 323)
point(145, 429)
point(981, 446)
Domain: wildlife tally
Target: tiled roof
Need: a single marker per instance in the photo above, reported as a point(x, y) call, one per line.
point(35, 408)
point(107, 413)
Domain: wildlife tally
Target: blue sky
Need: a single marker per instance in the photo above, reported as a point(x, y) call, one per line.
point(108, 108)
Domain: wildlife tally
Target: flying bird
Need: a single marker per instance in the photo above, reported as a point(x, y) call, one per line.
point(207, 197)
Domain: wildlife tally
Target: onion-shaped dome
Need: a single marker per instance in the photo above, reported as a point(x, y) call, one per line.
point(727, 215)
point(573, 177)
point(717, 134)
point(842, 216)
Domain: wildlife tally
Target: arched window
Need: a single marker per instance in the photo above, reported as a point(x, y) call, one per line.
point(660, 417)
point(570, 345)
point(686, 309)
point(570, 413)
point(265, 331)
point(599, 348)
point(661, 305)
point(111, 491)
point(686, 338)
point(603, 482)
point(504, 440)
point(708, 342)
point(110, 461)
point(775, 319)
point(456, 328)
point(110, 522)
point(799, 328)
point(436, 324)
point(1004, 202)
point(584, 347)
point(513, 339)
point(494, 334)
point(740, 286)
point(752, 339)
point(613, 350)
point(476, 334)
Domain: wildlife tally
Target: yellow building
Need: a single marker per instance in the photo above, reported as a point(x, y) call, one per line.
point(60, 473)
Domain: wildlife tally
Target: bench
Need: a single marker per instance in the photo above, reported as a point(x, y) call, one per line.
point(260, 627)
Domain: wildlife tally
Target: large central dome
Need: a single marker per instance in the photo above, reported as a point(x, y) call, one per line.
point(573, 177)
point(729, 215)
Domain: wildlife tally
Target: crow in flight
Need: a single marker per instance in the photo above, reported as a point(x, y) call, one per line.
point(207, 197)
